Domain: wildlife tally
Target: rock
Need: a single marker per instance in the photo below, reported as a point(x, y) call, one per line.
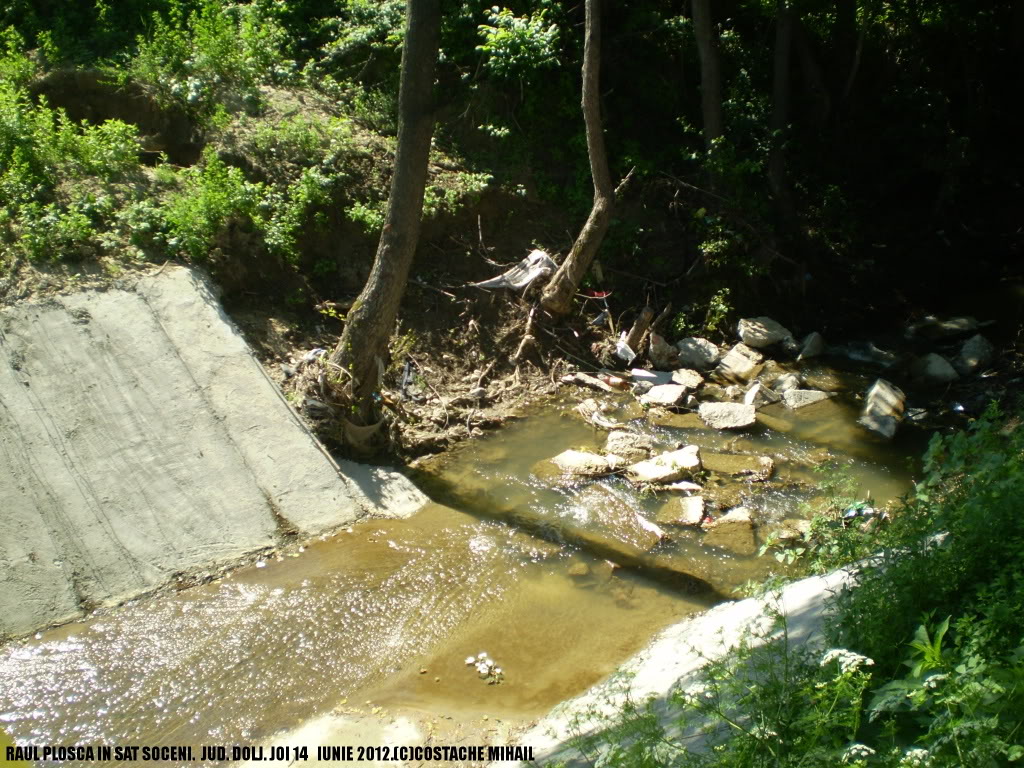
point(658, 417)
point(641, 388)
point(698, 353)
point(933, 370)
point(666, 468)
point(739, 364)
point(791, 529)
point(733, 531)
point(684, 510)
point(727, 415)
point(665, 395)
point(584, 463)
point(934, 328)
point(663, 355)
point(733, 393)
point(761, 332)
point(813, 345)
point(687, 378)
point(654, 378)
point(760, 467)
point(790, 346)
point(579, 569)
point(787, 382)
point(883, 408)
point(867, 352)
point(630, 446)
point(798, 398)
point(975, 354)
point(758, 394)
point(592, 412)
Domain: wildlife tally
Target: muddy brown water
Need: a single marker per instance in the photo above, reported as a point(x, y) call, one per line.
point(385, 613)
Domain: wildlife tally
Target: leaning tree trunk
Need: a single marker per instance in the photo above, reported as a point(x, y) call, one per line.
point(558, 294)
point(710, 73)
point(361, 352)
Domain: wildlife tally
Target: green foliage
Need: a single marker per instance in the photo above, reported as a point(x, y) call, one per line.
point(211, 195)
point(515, 46)
point(218, 54)
point(56, 176)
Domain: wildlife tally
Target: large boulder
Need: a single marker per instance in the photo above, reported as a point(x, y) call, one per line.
point(733, 531)
point(933, 370)
point(629, 446)
point(761, 332)
point(883, 408)
point(798, 398)
point(727, 415)
point(698, 353)
point(975, 354)
point(666, 468)
point(664, 395)
point(740, 364)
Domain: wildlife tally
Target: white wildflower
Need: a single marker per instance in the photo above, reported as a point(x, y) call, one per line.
point(497, 670)
point(933, 681)
point(470, 660)
point(848, 660)
point(915, 758)
point(482, 655)
point(857, 752)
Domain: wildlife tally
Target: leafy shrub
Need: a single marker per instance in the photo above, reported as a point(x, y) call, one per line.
point(212, 194)
point(517, 45)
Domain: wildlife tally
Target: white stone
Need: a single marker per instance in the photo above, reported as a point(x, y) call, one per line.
point(574, 462)
point(733, 531)
point(698, 353)
point(883, 408)
point(687, 378)
point(739, 364)
point(631, 446)
point(666, 468)
point(761, 331)
point(665, 395)
point(727, 415)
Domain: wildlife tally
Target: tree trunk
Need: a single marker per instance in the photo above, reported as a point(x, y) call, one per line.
point(710, 72)
point(778, 178)
point(363, 347)
point(557, 296)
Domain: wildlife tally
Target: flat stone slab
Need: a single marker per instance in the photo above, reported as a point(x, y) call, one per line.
point(140, 438)
point(666, 468)
point(573, 462)
point(727, 415)
point(665, 395)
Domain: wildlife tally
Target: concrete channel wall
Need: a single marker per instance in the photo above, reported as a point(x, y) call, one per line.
point(139, 439)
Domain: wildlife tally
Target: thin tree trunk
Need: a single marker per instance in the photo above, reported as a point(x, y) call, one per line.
point(778, 178)
point(363, 347)
point(558, 294)
point(710, 72)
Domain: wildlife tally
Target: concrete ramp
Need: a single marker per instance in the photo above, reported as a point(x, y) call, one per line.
point(139, 438)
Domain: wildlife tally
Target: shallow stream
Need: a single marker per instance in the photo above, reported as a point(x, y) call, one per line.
point(386, 612)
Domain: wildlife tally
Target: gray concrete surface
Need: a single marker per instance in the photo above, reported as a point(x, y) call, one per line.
point(140, 438)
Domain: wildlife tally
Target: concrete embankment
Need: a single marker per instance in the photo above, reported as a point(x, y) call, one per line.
point(140, 439)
